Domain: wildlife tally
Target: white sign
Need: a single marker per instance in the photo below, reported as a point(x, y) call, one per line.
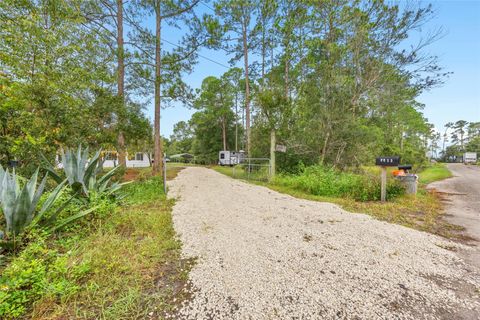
point(280, 148)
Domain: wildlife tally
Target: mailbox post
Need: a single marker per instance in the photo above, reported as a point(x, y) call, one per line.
point(385, 162)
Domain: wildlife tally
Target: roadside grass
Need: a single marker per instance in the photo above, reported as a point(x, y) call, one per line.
point(124, 266)
point(436, 172)
point(422, 212)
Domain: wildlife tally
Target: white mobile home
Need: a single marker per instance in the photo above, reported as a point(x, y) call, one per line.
point(470, 157)
point(110, 159)
point(134, 160)
point(230, 158)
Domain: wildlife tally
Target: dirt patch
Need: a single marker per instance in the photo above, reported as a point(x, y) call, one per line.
point(131, 174)
point(172, 285)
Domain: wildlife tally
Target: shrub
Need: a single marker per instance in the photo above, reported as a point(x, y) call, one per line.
point(19, 204)
point(38, 272)
point(329, 182)
point(83, 173)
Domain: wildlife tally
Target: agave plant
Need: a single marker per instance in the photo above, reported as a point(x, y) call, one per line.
point(82, 172)
point(19, 204)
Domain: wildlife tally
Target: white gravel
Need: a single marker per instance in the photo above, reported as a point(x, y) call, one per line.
point(266, 255)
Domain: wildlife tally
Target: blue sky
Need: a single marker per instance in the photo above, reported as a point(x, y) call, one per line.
point(458, 51)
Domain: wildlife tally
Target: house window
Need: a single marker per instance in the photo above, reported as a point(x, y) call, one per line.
point(111, 156)
point(222, 155)
point(139, 156)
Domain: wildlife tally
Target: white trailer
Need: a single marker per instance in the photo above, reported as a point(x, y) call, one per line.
point(230, 158)
point(470, 157)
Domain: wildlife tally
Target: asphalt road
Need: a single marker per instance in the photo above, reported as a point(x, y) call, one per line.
point(463, 202)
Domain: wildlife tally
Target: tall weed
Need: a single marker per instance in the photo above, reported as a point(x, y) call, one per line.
point(326, 181)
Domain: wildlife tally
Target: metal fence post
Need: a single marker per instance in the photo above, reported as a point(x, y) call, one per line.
point(269, 169)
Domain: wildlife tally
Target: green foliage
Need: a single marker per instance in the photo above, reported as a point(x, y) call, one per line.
point(325, 181)
point(464, 136)
point(80, 270)
point(57, 71)
point(82, 173)
point(144, 191)
point(434, 173)
point(19, 204)
point(37, 272)
point(214, 123)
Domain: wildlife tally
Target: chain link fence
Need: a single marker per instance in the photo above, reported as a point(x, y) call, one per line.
point(258, 169)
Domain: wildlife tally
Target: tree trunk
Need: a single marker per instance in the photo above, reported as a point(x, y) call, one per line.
point(157, 151)
point(247, 86)
point(287, 85)
point(224, 134)
point(236, 121)
point(324, 149)
point(243, 126)
point(264, 48)
point(287, 55)
point(273, 142)
point(122, 159)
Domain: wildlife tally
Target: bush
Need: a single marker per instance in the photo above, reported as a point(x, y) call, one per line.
point(38, 272)
point(324, 181)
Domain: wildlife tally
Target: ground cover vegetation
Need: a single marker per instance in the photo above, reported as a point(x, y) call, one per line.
point(71, 255)
point(434, 173)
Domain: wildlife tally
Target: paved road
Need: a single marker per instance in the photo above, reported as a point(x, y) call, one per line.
point(463, 205)
point(266, 255)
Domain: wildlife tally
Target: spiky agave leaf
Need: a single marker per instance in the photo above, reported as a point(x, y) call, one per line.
point(51, 169)
point(8, 196)
point(18, 205)
point(48, 204)
point(79, 169)
point(2, 174)
point(82, 172)
point(72, 218)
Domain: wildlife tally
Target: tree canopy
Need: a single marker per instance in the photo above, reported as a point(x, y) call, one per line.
point(336, 82)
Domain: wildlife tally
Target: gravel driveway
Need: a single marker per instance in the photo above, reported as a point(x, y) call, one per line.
point(265, 255)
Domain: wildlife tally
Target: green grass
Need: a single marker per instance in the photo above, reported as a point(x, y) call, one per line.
point(238, 172)
point(121, 265)
point(433, 173)
point(126, 257)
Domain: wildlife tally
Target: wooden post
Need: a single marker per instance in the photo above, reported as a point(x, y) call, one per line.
point(164, 174)
point(383, 194)
point(273, 142)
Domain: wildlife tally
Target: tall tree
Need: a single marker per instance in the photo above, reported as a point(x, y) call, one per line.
point(217, 100)
point(121, 80)
point(168, 66)
point(458, 134)
point(237, 15)
point(235, 83)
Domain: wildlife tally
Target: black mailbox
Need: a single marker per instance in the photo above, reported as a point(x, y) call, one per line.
point(387, 161)
point(405, 167)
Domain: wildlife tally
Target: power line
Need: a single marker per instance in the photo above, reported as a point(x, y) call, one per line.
point(206, 5)
point(237, 32)
point(202, 56)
